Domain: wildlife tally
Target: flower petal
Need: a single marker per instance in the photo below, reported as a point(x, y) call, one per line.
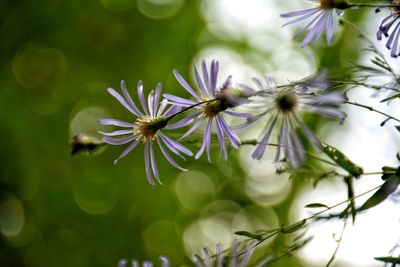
point(127, 150)
point(185, 85)
point(115, 122)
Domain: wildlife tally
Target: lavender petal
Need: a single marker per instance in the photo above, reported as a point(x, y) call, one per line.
point(310, 135)
point(153, 162)
point(150, 102)
point(199, 82)
point(113, 141)
point(262, 144)
point(220, 136)
point(303, 17)
point(127, 150)
point(119, 132)
point(142, 99)
point(237, 114)
point(300, 12)
point(232, 136)
point(182, 123)
point(205, 77)
point(214, 76)
point(334, 98)
point(115, 122)
point(176, 100)
point(168, 157)
point(156, 100)
point(329, 28)
point(147, 163)
point(206, 141)
point(129, 100)
point(122, 101)
point(191, 130)
point(185, 85)
point(171, 143)
point(328, 112)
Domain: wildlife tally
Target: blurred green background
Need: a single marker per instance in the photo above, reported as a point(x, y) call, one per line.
point(57, 59)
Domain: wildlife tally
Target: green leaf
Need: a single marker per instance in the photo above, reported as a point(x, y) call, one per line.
point(342, 160)
point(388, 172)
point(388, 259)
point(294, 227)
point(248, 234)
point(387, 188)
point(397, 128)
point(316, 205)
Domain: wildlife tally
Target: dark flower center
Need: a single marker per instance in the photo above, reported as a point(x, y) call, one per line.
point(286, 102)
point(147, 128)
point(327, 4)
point(211, 109)
point(397, 3)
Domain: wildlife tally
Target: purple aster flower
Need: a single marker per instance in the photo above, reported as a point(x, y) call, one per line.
point(391, 23)
point(237, 258)
point(321, 19)
point(135, 263)
point(153, 117)
point(212, 103)
point(283, 106)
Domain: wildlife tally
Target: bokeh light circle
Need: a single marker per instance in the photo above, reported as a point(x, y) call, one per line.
point(193, 189)
point(12, 215)
point(160, 9)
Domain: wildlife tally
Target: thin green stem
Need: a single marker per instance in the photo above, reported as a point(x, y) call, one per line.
point(188, 108)
point(370, 42)
point(353, 5)
point(338, 244)
point(373, 86)
point(283, 228)
point(372, 109)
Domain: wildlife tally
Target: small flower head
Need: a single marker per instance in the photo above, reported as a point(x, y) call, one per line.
point(146, 128)
point(124, 263)
point(239, 257)
point(212, 102)
point(283, 105)
point(390, 28)
point(321, 19)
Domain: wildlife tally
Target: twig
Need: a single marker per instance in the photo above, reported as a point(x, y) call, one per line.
point(338, 244)
point(372, 109)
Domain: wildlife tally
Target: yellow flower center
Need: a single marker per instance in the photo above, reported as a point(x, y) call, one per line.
point(211, 109)
point(148, 127)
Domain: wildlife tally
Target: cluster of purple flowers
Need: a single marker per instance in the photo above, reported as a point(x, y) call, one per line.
point(212, 102)
point(322, 20)
point(237, 258)
point(210, 105)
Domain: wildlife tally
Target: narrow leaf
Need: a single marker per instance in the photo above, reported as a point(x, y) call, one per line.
point(294, 227)
point(388, 172)
point(248, 234)
point(388, 259)
point(316, 205)
point(342, 160)
point(388, 187)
